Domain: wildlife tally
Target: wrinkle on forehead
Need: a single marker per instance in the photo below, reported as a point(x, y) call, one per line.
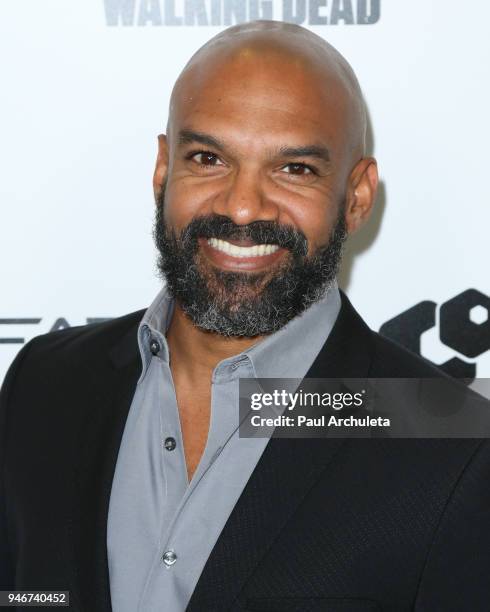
point(281, 56)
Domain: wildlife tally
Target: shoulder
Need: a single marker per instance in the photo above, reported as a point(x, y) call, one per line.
point(391, 360)
point(57, 377)
point(55, 354)
point(95, 336)
point(383, 357)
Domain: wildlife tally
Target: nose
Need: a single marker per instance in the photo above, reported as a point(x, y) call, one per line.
point(245, 200)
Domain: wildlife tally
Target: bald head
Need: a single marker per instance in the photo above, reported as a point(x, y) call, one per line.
point(277, 56)
point(267, 123)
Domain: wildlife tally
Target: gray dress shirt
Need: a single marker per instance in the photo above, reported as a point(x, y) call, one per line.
point(161, 528)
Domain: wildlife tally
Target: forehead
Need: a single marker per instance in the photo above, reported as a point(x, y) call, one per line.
point(256, 94)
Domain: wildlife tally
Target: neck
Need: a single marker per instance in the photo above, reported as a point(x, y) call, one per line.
point(194, 352)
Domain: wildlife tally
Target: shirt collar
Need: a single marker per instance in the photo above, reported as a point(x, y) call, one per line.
point(287, 353)
point(153, 327)
point(290, 351)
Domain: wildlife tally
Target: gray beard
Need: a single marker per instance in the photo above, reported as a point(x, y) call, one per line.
point(244, 304)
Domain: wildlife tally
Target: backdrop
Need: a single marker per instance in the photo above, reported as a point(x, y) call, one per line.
point(85, 88)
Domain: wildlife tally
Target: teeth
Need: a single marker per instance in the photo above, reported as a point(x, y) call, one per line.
point(239, 251)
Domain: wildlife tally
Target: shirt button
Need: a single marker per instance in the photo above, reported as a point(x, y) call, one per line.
point(170, 444)
point(169, 557)
point(154, 347)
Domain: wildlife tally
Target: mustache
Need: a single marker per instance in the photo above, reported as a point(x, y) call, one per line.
point(260, 232)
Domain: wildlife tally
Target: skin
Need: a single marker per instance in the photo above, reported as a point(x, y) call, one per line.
point(267, 123)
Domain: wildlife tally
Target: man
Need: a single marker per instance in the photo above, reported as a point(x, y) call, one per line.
point(125, 480)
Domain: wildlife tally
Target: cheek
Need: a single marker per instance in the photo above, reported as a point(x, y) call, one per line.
point(315, 216)
point(185, 200)
point(324, 217)
point(318, 234)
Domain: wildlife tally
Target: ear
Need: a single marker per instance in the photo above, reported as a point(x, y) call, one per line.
point(161, 166)
point(361, 193)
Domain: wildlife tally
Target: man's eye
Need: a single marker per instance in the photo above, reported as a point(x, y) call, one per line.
point(206, 158)
point(297, 169)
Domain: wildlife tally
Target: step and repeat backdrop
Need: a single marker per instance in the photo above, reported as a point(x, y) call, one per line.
point(85, 88)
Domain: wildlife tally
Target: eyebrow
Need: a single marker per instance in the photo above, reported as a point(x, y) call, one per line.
point(189, 136)
point(306, 151)
point(317, 151)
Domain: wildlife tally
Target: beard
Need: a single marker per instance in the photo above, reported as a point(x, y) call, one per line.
point(244, 304)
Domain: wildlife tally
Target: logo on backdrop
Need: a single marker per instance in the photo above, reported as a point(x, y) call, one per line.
point(59, 323)
point(229, 12)
point(463, 325)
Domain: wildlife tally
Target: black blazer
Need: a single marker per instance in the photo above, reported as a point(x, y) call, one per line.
point(322, 525)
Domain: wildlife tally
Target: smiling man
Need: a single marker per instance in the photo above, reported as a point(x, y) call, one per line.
point(125, 480)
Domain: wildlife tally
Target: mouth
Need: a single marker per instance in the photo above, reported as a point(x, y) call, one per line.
point(236, 250)
point(240, 255)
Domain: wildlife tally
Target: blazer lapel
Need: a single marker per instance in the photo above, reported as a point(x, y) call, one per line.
point(107, 395)
point(287, 470)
